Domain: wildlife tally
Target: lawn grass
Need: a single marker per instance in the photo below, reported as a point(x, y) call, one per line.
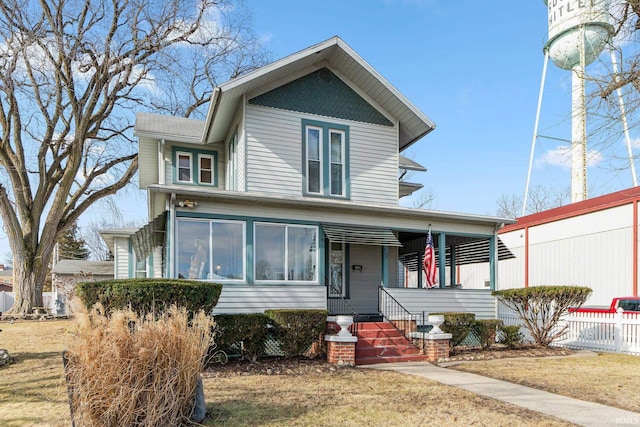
point(610, 379)
point(33, 393)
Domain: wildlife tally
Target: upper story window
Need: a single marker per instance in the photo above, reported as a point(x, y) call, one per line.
point(195, 167)
point(325, 154)
point(183, 161)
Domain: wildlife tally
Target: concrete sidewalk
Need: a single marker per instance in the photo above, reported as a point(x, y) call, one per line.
point(568, 409)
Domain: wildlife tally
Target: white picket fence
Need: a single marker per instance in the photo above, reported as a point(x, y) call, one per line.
point(49, 300)
point(610, 332)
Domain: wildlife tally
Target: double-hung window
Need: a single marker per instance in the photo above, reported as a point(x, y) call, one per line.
point(206, 163)
point(195, 166)
point(325, 154)
point(184, 167)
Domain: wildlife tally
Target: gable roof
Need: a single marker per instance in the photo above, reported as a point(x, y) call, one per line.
point(168, 127)
point(342, 60)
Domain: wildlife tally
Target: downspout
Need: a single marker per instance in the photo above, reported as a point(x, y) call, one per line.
point(526, 256)
point(170, 238)
point(635, 248)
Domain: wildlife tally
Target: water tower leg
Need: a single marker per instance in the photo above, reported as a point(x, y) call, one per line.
point(578, 136)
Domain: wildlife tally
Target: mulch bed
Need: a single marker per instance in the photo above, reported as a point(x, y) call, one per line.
point(302, 366)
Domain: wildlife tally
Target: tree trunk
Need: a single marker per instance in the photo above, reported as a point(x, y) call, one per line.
point(29, 274)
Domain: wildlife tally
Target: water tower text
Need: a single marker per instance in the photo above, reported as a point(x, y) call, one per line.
point(560, 10)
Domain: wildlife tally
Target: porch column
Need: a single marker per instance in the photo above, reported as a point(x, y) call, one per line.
point(492, 262)
point(452, 267)
point(385, 266)
point(442, 262)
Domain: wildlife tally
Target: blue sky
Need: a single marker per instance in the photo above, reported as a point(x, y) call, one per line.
point(473, 67)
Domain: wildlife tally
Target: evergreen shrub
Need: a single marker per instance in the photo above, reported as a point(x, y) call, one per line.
point(243, 334)
point(297, 329)
point(458, 325)
point(150, 295)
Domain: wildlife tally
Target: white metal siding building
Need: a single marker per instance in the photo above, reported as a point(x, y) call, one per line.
point(591, 243)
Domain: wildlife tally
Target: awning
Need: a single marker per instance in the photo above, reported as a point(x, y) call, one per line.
point(360, 235)
point(471, 252)
point(145, 240)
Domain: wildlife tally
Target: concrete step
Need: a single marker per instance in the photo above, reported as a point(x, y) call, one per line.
point(391, 359)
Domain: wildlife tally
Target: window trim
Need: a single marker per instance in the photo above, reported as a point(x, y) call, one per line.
point(200, 168)
point(325, 159)
point(178, 167)
point(286, 280)
point(194, 156)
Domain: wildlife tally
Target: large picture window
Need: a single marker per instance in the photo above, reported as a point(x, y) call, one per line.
point(210, 250)
point(285, 252)
point(326, 163)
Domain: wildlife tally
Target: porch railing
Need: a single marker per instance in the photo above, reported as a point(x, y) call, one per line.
point(396, 314)
point(337, 305)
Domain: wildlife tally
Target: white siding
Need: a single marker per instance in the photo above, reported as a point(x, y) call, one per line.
point(257, 299)
point(475, 301)
point(274, 149)
point(148, 162)
point(121, 258)
point(157, 262)
point(594, 249)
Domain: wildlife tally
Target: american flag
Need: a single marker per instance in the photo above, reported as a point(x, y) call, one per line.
point(429, 263)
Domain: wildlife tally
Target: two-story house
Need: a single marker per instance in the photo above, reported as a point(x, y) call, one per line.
point(288, 193)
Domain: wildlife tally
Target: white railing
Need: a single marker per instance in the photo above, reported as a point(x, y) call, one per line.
point(611, 332)
point(49, 301)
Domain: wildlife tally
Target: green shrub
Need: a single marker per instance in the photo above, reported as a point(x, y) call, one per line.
point(541, 307)
point(485, 330)
point(246, 333)
point(150, 295)
point(297, 329)
point(458, 325)
point(510, 335)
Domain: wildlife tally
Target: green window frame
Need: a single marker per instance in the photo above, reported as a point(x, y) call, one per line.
point(325, 156)
point(195, 167)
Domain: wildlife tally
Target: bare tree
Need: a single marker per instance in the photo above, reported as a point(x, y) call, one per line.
point(71, 74)
point(540, 198)
point(426, 199)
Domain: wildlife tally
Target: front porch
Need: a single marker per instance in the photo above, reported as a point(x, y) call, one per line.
point(397, 332)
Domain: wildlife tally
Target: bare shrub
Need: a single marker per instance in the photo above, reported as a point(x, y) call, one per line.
point(126, 370)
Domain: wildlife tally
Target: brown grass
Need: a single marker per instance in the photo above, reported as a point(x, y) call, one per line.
point(610, 379)
point(128, 371)
point(33, 391)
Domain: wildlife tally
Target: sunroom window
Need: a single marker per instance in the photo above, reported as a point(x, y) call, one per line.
point(210, 250)
point(285, 252)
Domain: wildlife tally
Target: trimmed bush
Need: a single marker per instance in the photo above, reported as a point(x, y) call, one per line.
point(458, 325)
point(297, 329)
point(510, 335)
point(540, 308)
point(246, 333)
point(486, 330)
point(150, 295)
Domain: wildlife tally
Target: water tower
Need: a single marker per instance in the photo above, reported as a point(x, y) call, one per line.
point(578, 32)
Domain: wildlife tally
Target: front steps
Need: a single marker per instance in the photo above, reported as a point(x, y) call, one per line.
point(381, 342)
